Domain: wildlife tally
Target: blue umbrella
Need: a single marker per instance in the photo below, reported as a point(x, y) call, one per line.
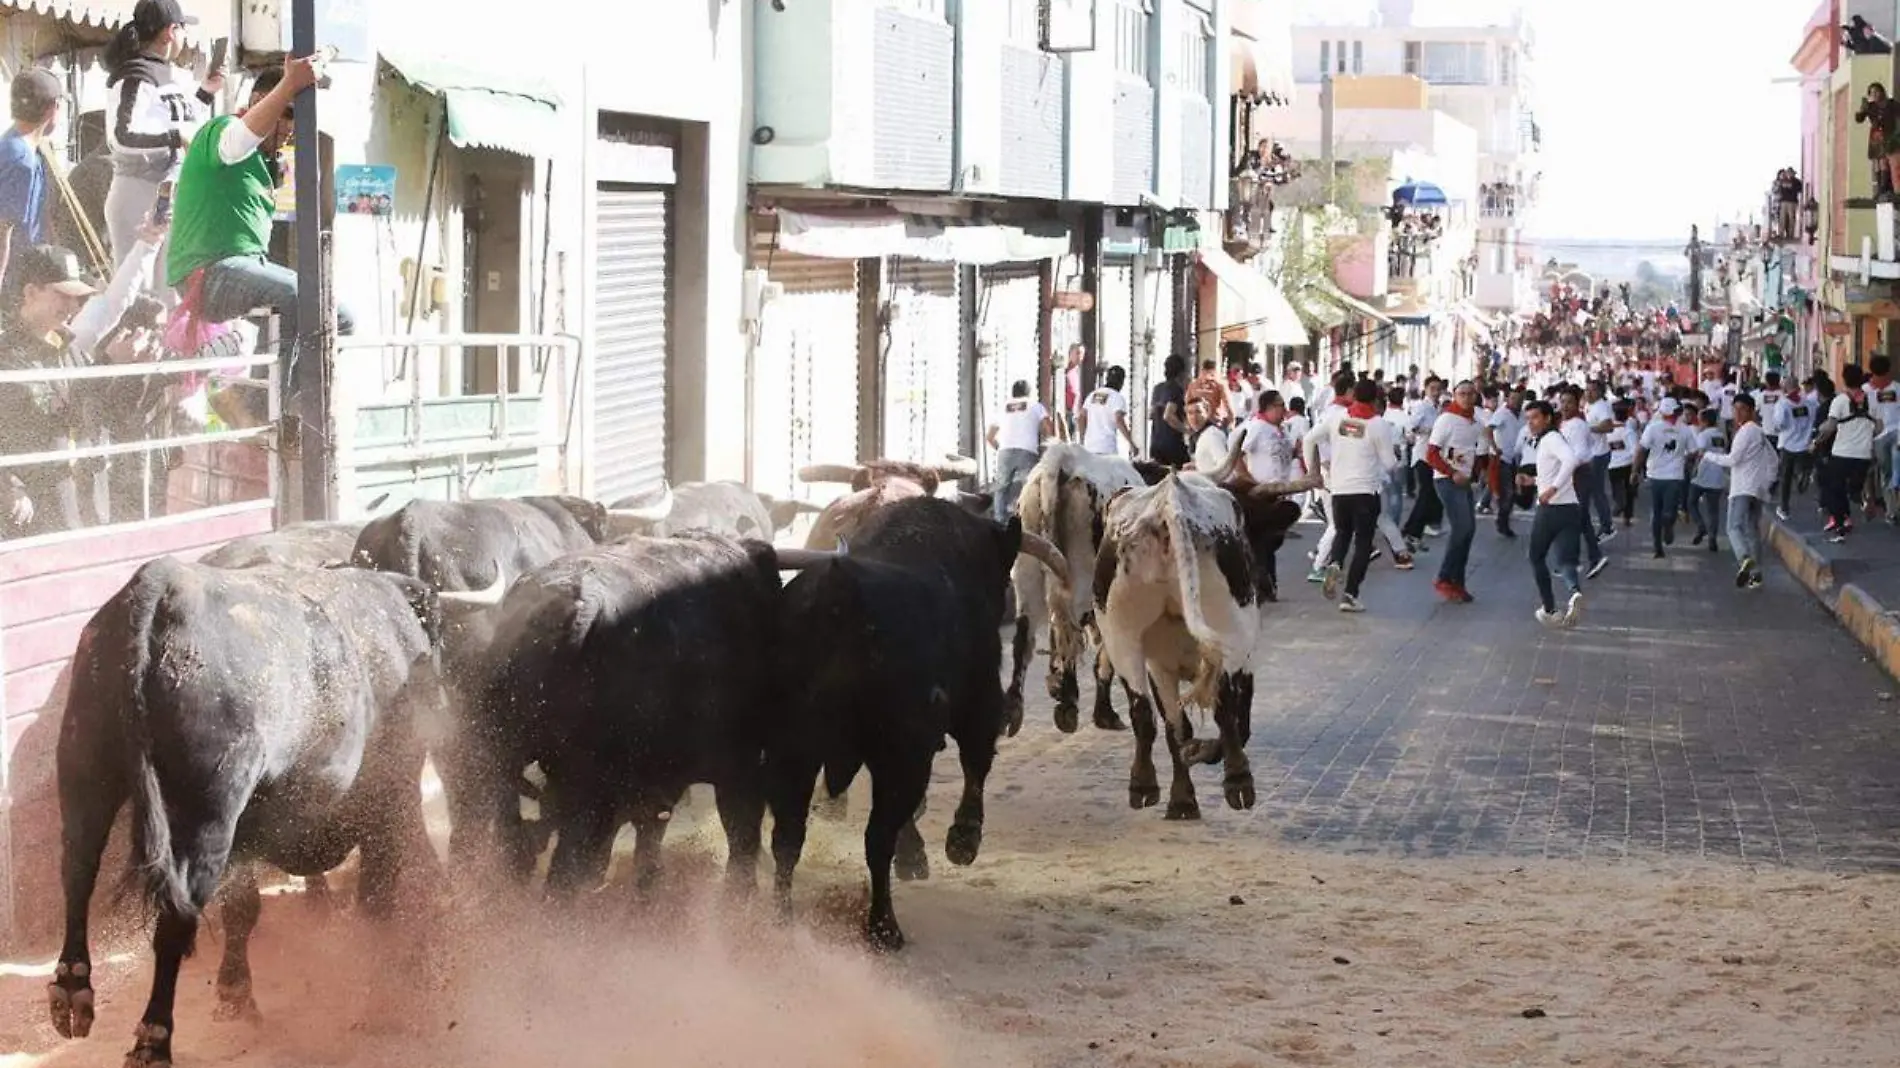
point(1419, 194)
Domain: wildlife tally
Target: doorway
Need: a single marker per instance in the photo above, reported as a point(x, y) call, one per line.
point(495, 190)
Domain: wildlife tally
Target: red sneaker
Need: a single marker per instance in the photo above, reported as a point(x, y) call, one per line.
point(1446, 590)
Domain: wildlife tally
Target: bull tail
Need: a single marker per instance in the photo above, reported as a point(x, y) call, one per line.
point(154, 873)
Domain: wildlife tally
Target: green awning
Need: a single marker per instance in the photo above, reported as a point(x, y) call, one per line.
point(486, 109)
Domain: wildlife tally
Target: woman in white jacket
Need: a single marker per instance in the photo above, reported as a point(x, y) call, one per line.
point(151, 120)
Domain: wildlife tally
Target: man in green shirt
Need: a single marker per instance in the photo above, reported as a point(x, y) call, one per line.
point(222, 209)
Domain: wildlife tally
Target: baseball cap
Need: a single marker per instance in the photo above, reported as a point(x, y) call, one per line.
point(1668, 406)
point(152, 16)
point(50, 265)
point(34, 90)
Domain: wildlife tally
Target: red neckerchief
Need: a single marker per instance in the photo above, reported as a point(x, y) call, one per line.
point(1359, 411)
point(1342, 402)
point(1467, 414)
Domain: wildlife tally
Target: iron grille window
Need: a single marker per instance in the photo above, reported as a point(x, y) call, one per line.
point(1133, 19)
point(1358, 57)
point(1325, 58)
point(936, 9)
point(1194, 40)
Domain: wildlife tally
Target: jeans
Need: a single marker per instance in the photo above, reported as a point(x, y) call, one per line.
point(1426, 511)
point(1665, 499)
point(1558, 526)
point(1842, 479)
point(1355, 519)
point(128, 201)
point(236, 285)
point(1392, 497)
point(1794, 465)
point(1705, 504)
point(1012, 467)
point(1504, 492)
point(1623, 495)
point(1599, 502)
point(1461, 514)
point(1744, 528)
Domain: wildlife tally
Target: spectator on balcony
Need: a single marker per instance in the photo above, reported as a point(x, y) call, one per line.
point(1788, 189)
point(1878, 112)
point(25, 186)
point(224, 203)
point(61, 320)
point(1859, 37)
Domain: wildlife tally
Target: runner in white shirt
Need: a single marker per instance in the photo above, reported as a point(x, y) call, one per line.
point(1852, 427)
point(1506, 431)
point(1559, 522)
point(1017, 437)
point(1210, 441)
point(1576, 430)
point(1752, 465)
point(1794, 429)
point(1362, 453)
point(1622, 441)
point(1452, 455)
point(1708, 485)
point(1601, 416)
point(1105, 416)
point(1883, 393)
point(1266, 447)
point(1768, 408)
point(1664, 450)
point(1427, 512)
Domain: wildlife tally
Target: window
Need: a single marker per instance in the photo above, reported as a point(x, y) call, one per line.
point(1325, 58)
point(1339, 57)
point(1025, 23)
point(1415, 58)
point(1507, 67)
point(936, 9)
point(1194, 56)
point(1358, 57)
point(1132, 20)
point(1447, 62)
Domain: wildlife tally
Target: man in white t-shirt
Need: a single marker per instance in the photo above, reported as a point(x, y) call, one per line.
point(1883, 395)
point(1794, 436)
point(1105, 416)
point(1208, 440)
point(1851, 427)
point(1622, 441)
point(1017, 436)
point(1663, 451)
point(1265, 446)
point(1505, 429)
point(1427, 513)
point(1601, 416)
point(1576, 430)
point(1451, 452)
point(1559, 521)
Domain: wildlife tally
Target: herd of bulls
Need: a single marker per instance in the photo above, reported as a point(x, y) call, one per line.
point(274, 703)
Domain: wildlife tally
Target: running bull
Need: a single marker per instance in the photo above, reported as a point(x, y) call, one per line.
point(1178, 600)
point(883, 653)
point(717, 507)
point(266, 715)
point(879, 483)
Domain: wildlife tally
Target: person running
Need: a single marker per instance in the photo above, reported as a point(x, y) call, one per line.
point(1505, 429)
point(1362, 453)
point(1167, 415)
point(1210, 441)
point(1268, 453)
point(1622, 439)
point(1576, 430)
point(1883, 394)
point(1709, 484)
point(1017, 437)
point(1794, 430)
point(1662, 453)
point(1427, 513)
point(1601, 416)
point(1559, 522)
point(1451, 452)
point(1848, 434)
point(1105, 416)
point(1752, 465)
point(1392, 501)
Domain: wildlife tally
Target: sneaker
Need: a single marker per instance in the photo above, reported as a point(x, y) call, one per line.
point(1606, 534)
point(1838, 537)
point(1318, 574)
point(1445, 589)
point(1403, 562)
point(1714, 544)
point(1434, 532)
point(1548, 619)
point(1349, 603)
point(1597, 568)
point(1574, 610)
point(1755, 581)
point(1669, 535)
point(1745, 572)
point(1464, 596)
point(1782, 514)
point(1507, 533)
point(1698, 538)
point(1659, 554)
point(1376, 554)
point(1329, 582)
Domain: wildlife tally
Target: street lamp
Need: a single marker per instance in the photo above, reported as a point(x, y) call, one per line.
point(1246, 186)
point(1811, 218)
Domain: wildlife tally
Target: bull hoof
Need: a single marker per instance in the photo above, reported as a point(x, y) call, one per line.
point(1239, 789)
point(1203, 751)
point(1012, 714)
point(911, 866)
point(1068, 717)
point(236, 1005)
point(1183, 811)
point(963, 843)
point(1107, 719)
point(151, 1047)
point(884, 935)
point(1143, 795)
point(71, 1009)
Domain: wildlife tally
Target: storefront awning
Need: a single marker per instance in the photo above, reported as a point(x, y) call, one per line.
point(1353, 304)
point(486, 109)
point(1263, 68)
point(1474, 319)
point(1249, 299)
point(1318, 312)
point(1412, 312)
point(105, 14)
point(874, 236)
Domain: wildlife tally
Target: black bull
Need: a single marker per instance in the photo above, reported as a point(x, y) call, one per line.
point(268, 714)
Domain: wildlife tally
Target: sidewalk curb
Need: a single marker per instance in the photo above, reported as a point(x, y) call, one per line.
point(1869, 621)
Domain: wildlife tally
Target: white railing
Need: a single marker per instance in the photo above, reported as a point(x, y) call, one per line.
point(148, 446)
point(555, 356)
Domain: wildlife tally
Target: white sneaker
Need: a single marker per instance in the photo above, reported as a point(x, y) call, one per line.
point(1574, 610)
point(1329, 585)
point(1597, 568)
point(1349, 603)
point(1548, 619)
point(1781, 514)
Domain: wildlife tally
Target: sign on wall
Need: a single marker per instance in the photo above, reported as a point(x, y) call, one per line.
point(365, 190)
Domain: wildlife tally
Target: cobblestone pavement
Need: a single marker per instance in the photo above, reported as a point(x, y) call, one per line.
point(1683, 718)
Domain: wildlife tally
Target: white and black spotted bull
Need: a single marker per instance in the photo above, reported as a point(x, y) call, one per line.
point(264, 715)
point(728, 508)
point(1177, 599)
point(1064, 500)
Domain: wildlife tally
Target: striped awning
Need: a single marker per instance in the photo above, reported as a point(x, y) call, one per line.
point(214, 18)
point(486, 108)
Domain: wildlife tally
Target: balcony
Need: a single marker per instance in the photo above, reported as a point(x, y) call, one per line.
point(1249, 217)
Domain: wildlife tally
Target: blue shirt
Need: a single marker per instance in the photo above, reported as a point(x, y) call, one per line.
point(22, 189)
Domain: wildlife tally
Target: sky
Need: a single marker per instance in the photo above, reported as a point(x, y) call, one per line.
point(1655, 113)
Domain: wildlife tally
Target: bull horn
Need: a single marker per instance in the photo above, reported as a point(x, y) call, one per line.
point(800, 559)
point(479, 598)
point(1284, 489)
point(647, 513)
point(1045, 551)
point(845, 473)
point(956, 466)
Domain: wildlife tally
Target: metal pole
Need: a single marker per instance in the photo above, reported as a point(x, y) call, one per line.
point(309, 377)
point(1326, 166)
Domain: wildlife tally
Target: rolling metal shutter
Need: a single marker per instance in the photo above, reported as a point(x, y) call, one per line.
point(923, 357)
point(1117, 309)
point(804, 369)
point(1008, 317)
point(1157, 303)
point(631, 302)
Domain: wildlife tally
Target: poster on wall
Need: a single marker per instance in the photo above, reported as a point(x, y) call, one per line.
point(286, 205)
point(1068, 25)
point(365, 190)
